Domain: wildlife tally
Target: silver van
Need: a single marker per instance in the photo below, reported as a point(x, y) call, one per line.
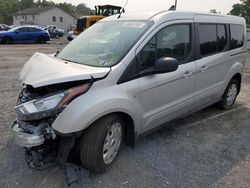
point(124, 77)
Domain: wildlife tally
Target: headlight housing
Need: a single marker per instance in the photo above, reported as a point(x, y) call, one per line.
point(49, 106)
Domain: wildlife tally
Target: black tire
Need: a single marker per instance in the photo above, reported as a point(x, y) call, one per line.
point(224, 103)
point(7, 40)
point(41, 40)
point(92, 143)
point(52, 36)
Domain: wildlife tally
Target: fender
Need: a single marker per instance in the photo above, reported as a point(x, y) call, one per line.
point(237, 67)
point(98, 102)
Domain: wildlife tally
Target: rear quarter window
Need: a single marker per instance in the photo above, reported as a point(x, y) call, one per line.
point(237, 36)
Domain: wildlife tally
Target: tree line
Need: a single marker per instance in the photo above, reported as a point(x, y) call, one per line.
point(10, 7)
point(239, 9)
point(242, 9)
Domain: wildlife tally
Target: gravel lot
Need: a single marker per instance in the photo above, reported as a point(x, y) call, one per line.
point(208, 149)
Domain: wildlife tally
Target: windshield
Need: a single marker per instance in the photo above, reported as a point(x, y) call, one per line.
point(104, 44)
point(13, 29)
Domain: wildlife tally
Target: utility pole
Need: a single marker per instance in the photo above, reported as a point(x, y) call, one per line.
point(175, 4)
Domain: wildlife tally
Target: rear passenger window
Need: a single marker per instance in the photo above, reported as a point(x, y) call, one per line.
point(32, 29)
point(213, 38)
point(208, 39)
point(237, 36)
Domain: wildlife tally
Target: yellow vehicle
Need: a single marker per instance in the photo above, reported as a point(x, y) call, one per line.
point(85, 22)
point(101, 11)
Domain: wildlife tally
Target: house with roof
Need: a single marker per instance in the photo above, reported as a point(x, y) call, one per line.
point(44, 16)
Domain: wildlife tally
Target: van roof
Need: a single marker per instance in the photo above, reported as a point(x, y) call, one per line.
point(176, 15)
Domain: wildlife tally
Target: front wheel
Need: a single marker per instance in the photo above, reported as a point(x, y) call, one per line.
point(230, 95)
point(101, 143)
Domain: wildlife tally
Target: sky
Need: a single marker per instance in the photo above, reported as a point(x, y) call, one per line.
point(223, 6)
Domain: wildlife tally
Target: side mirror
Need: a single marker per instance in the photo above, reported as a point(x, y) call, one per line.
point(165, 65)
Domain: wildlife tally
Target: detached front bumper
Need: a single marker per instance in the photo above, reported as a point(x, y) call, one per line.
point(43, 147)
point(25, 139)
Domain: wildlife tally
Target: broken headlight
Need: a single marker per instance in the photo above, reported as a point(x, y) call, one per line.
point(49, 106)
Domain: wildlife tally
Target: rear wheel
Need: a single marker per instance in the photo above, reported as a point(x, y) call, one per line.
point(7, 40)
point(101, 143)
point(230, 95)
point(41, 40)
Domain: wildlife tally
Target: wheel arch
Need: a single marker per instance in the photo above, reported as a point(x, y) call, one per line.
point(235, 72)
point(238, 77)
point(129, 128)
point(8, 37)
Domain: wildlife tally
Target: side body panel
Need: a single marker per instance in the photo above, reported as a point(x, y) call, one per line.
point(172, 94)
point(215, 71)
point(100, 100)
point(20, 37)
point(163, 97)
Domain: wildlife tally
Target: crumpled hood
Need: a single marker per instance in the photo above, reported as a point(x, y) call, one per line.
point(42, 70)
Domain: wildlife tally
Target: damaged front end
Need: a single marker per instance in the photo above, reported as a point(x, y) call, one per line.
point(37, 109)
point(39, 140)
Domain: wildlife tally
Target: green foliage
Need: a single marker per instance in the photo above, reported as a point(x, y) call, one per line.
point(23, 4)
point(67, 7)
point(82, 10)
point(10, 7)
point(7, 8)
point(242, 9)
point(215, 11)
point(79, 10)
point(237, 9)
point(45, 3)
point(1, 19)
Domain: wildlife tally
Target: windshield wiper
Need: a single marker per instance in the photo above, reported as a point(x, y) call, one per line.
point(68, 61)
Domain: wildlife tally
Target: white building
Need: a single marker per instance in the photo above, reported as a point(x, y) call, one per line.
point(44, 16)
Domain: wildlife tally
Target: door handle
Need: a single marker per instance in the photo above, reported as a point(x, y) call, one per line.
point(204, 68)
point(187, 74)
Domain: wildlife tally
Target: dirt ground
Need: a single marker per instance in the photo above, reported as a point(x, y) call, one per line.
point(207, 149)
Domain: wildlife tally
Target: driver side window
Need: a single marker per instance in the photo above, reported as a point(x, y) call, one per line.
point(173, 41)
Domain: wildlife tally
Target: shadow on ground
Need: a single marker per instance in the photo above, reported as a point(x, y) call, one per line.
point(192, 152)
